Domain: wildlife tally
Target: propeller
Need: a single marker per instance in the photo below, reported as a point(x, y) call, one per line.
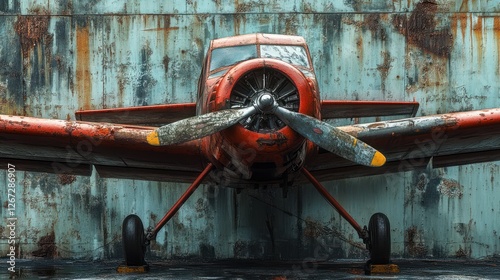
point(331, 138)
point(321, 133)
point(198, 126)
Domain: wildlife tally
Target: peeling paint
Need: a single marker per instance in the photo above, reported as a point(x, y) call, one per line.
point(83, 83)
point(65, 179)
point(413, 243)
point(450, 188)
point(33, 30)
point(421, 29)
point(46, 247)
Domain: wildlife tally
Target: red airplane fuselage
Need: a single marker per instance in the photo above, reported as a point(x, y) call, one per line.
point(237, 72)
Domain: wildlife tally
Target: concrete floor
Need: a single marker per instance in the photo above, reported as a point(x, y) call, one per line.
point(345, 269)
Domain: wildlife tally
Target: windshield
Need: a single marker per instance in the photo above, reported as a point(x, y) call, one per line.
point(295, 55)
point(231, 55)
point(223, 57)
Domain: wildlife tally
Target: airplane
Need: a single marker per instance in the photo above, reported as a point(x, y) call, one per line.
point(258, 121)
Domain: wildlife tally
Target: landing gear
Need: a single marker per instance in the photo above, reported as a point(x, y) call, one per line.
point(134, 238)
point(377, 236)
point(134, 241)
point(379, 243)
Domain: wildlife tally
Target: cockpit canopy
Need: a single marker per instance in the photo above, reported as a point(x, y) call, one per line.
point(224, 57)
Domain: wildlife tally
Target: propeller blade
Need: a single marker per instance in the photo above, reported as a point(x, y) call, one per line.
point(198, 127)
point(330, 138)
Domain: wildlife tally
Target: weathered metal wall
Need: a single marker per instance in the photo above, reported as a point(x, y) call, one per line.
point(60, 56)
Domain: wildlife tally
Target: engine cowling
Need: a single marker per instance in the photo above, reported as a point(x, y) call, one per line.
point(262, 147)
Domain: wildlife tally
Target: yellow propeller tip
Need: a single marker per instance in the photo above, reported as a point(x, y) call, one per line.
point(378, 159)
point(153, 138)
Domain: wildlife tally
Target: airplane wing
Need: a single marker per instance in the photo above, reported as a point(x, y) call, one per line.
point(447, 139)
point(154, 115)
point(121, 151)
point(331, 109)
point(71, 147)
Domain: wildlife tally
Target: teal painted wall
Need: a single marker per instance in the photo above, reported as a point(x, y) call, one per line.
point(60, 56)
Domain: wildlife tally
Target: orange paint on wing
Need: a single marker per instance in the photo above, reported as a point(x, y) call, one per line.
point(83, 75)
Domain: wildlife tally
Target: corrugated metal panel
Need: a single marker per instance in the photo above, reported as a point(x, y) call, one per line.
point(60, 56)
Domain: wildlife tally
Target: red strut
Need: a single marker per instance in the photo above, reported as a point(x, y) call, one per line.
point(182, 200)
point(324, 192)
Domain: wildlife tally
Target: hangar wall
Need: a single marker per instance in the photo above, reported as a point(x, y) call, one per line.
point(57, 56)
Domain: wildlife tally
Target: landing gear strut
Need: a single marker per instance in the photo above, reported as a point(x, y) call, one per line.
point(376, 237)
point(135, 240)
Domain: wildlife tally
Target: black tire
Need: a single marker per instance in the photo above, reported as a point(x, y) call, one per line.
point(133, 238)
point(380, 239)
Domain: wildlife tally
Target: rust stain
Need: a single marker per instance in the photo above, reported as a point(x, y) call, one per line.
point(421, 29)
point(83, 76)
point(33, 31)
point(239, 21)
point(450, 188)
point(290, 23)
point(496, 32)
point(384, 68)
point(477, 30)
point(46, 246)
point(372, 22)
point(36, 47)
point(243, 7)
point(360, 48)
point(65, 179)
point(8, 106)
point(162, 29)
point(165, 28)
point(413, 243)
point(459, 21)
point(468, 6)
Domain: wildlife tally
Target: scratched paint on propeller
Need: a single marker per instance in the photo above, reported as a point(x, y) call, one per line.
point(318, 130)
point(200, 126)
point(330, 138)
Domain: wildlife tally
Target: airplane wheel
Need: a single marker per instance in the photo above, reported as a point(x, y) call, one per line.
point(380, 239)
point(134, 245)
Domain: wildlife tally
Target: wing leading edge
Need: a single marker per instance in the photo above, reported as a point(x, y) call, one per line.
point(449, 139)
point(115, 150)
